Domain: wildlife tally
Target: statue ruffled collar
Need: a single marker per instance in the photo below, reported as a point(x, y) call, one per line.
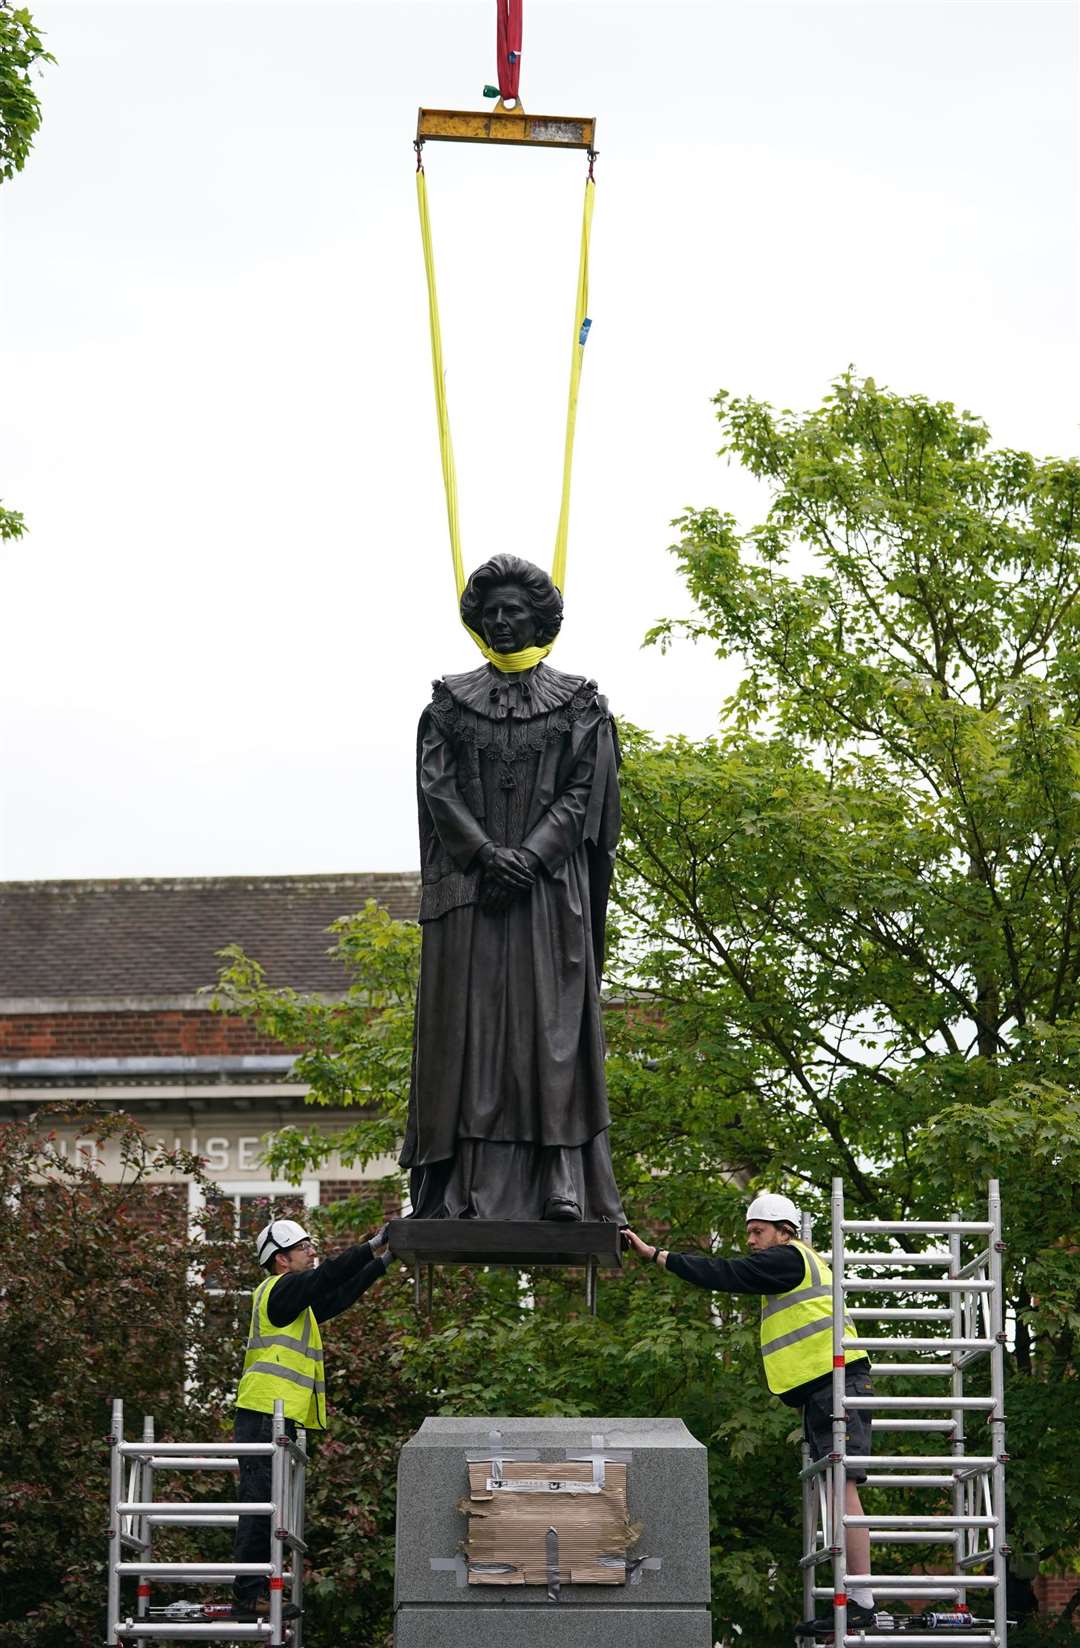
point(499, 697)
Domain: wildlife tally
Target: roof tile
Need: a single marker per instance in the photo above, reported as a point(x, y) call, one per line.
point(160, 937)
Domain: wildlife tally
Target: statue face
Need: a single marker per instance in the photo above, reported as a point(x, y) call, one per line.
point(507, 621)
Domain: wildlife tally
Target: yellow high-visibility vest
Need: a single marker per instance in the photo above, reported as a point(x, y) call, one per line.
point(283, 1363)
point(796, 1327)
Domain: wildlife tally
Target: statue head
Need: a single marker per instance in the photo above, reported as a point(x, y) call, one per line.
point(512, 604)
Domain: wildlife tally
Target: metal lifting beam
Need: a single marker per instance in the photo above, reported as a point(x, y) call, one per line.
point(510, 126)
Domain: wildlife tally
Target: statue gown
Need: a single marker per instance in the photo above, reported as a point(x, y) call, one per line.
point(508, 1101)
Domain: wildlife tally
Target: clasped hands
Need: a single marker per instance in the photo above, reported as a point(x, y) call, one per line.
point(507, 873)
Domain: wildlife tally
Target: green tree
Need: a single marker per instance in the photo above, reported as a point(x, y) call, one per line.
point(21, 53)
point(848, 941)
point(356, 1051)
point(22, 50)
point(858, 903)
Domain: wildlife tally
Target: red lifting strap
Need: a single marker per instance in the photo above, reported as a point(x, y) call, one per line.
point(508, 46)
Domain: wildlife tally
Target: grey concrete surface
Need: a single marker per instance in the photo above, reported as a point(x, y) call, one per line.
point(552, 1626)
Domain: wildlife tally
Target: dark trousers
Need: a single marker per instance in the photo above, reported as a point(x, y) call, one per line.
point(252, 1542)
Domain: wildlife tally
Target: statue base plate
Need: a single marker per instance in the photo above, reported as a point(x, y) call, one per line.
point(518, 1242)
point(523, 1244)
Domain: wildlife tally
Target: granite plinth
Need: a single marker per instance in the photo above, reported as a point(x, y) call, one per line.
point(667, 1494)
point(519, 1242)
point(552, 1626)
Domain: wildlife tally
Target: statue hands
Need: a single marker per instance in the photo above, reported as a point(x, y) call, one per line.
point(510, 867)
point(508, 872)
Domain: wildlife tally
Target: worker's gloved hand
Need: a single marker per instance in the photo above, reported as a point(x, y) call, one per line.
point(380, 1242)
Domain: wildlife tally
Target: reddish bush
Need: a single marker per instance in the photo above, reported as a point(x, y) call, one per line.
point(101, 1297)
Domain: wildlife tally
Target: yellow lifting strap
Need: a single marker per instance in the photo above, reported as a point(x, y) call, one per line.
point(509, 662)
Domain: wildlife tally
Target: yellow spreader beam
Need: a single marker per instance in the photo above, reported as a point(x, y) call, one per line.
point(499, 125)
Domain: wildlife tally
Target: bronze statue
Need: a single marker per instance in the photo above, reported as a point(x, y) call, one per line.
point(517, 787)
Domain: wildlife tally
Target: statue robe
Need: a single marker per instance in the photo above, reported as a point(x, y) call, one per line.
point(508, 1103)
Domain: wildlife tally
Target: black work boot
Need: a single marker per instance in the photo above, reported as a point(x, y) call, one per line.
point(249, 1613)
point(858, 1619)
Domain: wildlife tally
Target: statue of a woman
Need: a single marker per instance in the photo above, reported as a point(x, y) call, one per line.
point(517, 784)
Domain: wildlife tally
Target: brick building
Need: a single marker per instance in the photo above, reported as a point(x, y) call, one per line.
point(100, 1000)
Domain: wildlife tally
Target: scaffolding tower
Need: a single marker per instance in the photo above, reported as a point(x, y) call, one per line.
point(134, 1513)
point(971, 1310)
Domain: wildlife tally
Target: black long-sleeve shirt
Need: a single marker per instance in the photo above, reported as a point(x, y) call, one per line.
point(775, 1269)
point(330, 1288)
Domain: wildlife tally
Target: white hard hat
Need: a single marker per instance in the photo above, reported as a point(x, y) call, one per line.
point(276, 1236)
point(773, 1210)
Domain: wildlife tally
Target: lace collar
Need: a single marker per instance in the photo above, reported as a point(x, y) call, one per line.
point(498, 697)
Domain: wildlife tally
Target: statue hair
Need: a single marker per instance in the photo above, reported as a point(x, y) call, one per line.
point(543, 597)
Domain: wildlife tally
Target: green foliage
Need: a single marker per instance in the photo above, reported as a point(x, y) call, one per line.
point(848, 942)
point(21, 51)
point(12, 524)
point(354, 1052)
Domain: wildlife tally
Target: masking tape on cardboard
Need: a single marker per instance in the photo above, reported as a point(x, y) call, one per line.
point(634, 1566)
point(543, 1484)
point(551, 1543)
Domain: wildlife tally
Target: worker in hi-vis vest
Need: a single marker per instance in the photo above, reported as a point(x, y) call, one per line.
point(795, 1285)
point(284, 1360)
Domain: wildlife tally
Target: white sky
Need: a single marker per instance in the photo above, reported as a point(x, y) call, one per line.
point(215, 392)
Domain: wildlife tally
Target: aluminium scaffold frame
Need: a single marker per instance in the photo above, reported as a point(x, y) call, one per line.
point(973, 1313)
point(134, 1513)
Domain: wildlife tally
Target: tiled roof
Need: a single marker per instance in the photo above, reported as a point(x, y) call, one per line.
point(158, 938)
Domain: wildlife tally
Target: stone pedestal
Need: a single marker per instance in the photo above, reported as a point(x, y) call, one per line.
point(665, 1600)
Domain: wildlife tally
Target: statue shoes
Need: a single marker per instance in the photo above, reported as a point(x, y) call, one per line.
point(561, 1208)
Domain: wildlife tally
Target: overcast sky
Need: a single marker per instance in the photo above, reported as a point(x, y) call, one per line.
point(215, 394)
